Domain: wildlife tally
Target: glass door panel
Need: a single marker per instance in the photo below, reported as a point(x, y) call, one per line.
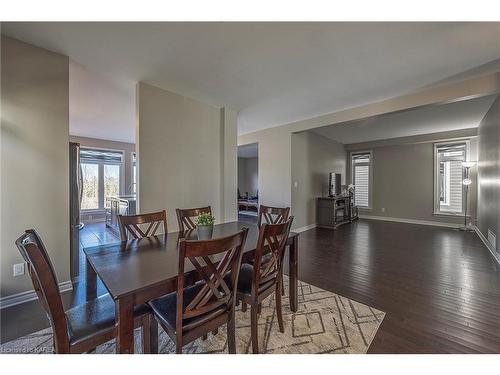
point(111, 181)
point(90, 198)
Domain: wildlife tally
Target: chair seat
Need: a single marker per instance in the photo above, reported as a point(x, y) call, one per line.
point(165, 309)
point(245, 280)
point(95, 317)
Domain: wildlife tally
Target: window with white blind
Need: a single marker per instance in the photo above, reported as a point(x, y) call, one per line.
point(361, 178)
point(448, 198)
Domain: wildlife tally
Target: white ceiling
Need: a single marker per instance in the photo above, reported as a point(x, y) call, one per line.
point(430, 119)
point(99, 108)
point(273, 73)
point(248, 151)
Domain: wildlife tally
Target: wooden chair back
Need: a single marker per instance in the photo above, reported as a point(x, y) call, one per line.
point(130, 226)
point(185, 217)
point(218, 290)
point(272, 240)
point(46, 286)
point(272, 215)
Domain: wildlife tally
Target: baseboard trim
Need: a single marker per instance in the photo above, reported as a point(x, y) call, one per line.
point(410, 221)
point(487, 243)
point(303, 229)
point(30, 295)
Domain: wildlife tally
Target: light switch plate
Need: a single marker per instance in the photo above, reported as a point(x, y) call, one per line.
point(18, 269)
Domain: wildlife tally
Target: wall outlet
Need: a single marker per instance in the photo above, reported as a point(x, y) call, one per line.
point(295, 184)
point(18, 269)
point(383, 209)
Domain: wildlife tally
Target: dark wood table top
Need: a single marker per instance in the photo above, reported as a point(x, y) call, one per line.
point(130, 266)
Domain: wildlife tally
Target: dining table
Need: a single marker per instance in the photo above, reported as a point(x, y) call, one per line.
point(139, 270)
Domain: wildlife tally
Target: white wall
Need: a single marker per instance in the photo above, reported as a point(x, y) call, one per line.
point(274, 165)
point(488, 168)
point(313, 158)
point(184, 150)
point(248, 176)
point(229, 166)
point(34, 157)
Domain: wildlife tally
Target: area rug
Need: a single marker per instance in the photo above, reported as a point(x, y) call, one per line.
point(324, 323)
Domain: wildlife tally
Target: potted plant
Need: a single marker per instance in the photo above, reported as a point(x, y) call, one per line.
point(205, 226)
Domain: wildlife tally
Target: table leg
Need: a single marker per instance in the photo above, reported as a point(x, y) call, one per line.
point(91, 281)
point(293, 270)
point(124, 325)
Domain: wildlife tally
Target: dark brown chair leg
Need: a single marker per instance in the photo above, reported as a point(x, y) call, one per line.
point(178, 345)
point(279, 311)
point(231, 334)
point(282, 285)
point(253, 320)
point(243, 306)
point(150, 335)
point(259, 308)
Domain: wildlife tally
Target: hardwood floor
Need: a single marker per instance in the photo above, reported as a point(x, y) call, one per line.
point(439, 287)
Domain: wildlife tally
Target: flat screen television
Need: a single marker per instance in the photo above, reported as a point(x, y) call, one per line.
point(334, 184)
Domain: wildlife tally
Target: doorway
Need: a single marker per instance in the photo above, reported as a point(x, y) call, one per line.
point(248, 182)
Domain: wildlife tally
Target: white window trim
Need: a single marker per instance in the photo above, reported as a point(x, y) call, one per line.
point(436, 145)
point(370, 176)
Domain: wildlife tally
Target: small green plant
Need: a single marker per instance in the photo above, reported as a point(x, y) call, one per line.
point(205, 219)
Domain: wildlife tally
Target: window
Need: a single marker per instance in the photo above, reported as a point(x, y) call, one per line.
point(448, 177)
point(361, 178)
point(90, 196)
point(111, 180)
point(101, 177)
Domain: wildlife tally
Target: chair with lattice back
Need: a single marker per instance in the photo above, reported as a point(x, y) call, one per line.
point(194, 311)
point(141, 226)
point(83, 327)
point(258, 282)
point(272, 215)
point(186, 216)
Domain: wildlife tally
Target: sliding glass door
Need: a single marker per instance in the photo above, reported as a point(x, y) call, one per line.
point(101, 173)
point(90, 196)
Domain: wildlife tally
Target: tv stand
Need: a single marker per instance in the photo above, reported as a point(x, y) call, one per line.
point(335, 211)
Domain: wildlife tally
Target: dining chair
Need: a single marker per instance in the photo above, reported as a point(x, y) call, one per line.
point(185, 217)
point(272, 215)
point(82, 328)
point(130, 225)
point(256, 283)
point(194, 311)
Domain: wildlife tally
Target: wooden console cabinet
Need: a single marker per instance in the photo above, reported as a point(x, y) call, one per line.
point(335, 211)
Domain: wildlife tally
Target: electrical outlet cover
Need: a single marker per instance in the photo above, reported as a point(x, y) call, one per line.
point(18, 269)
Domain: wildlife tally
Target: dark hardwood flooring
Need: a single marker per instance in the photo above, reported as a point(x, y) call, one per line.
point(439, 287)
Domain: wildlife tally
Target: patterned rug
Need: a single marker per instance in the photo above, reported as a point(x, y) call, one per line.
point(324, 323)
